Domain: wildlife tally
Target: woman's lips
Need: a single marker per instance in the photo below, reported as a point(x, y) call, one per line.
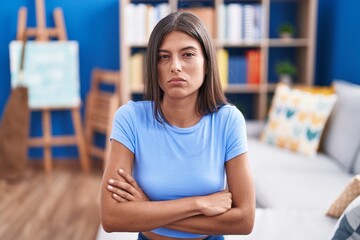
point(177, 80)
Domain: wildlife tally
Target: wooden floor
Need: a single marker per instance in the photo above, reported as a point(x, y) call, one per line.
point(60, 205)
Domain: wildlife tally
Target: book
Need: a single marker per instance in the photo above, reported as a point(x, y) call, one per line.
point(237, 69)
point(249, 22)
point(258, 21)
point(137, 71)
point(252, 22)
point(223, 65)
point(253, 68)
point(221, 22)
point(234, 21)
point(140, 23)
point(142, 19)
point(151, 20)
point(207, 15)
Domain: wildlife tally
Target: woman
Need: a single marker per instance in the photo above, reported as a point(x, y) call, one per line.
point(165, 176)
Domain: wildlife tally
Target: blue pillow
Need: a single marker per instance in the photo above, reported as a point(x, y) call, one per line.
point(348, 225)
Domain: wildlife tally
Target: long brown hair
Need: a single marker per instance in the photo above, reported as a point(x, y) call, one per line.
point(211, 96)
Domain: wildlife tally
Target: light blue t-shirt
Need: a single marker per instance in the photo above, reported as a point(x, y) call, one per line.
point(172, 162)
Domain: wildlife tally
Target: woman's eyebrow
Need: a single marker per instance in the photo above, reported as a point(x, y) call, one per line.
point(182, 49)
point(188, 48)
point(163, 50)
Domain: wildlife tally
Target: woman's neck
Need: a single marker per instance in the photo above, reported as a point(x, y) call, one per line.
point(180, 113)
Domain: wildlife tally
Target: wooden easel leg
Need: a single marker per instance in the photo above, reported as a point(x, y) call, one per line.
point(60, 24)
point(21, 27)
point(84, 159)
point(46, 119)
point(40, 20)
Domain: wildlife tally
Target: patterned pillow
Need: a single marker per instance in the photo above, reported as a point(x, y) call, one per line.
point(297, 119)
point(351, 192)
point(316, 89)
point(348, 225)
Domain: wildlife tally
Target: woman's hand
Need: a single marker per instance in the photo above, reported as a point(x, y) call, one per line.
point(216, 203)
point(127, 189)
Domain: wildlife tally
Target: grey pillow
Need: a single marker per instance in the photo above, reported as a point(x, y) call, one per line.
point(357, 162)
point(348, 225)
point(341, 138)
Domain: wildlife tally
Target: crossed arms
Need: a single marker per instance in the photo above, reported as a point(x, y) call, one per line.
point(125, 208)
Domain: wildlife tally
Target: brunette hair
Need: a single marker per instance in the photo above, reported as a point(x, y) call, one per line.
point(211, 96)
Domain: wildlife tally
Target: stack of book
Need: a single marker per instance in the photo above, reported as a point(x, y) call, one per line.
point(237, 69)
point(207, 15)
point(239, 22)
point(142, 19)
point(137, 69)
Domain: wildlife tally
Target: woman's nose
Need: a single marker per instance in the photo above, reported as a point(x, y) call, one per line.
point(175, 65)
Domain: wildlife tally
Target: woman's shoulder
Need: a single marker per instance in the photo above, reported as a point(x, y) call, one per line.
point(229, 114)
point(228, 109)
point(135, 108)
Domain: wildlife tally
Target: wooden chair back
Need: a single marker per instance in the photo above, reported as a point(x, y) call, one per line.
point(100, 107)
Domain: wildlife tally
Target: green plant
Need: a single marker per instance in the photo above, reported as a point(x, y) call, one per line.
point(286, 28)
point(285, 67)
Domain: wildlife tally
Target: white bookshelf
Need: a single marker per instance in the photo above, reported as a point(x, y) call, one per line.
point(303, 44)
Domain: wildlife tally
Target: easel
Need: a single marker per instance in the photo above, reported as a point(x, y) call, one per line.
point(41, 33)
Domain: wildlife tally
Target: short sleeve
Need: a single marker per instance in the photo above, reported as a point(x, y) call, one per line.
point(123, 129)
point(236, 143)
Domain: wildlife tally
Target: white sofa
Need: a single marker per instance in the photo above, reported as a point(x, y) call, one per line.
point(294, 191)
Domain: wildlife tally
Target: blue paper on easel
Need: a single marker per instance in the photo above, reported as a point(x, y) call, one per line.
point(51, 72)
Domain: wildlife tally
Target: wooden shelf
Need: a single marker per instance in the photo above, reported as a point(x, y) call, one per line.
point(239, 44)
point(137, 45)
point(244, 88)
point(291, 42)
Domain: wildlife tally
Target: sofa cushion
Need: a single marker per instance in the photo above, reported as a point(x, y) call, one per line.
point(254, 128)
point(288, 180)
point(357, 162)
point(348, 226)
point(102, 235)
point(279, 224)
point(351, 192)
point(341, 138)
point(297, 119)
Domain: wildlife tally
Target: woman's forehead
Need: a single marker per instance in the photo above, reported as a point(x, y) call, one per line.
point(179, 40)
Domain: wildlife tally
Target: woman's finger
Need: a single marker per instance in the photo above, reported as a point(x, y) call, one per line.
point(123, 186)
point(120, 192)
point(118, 198)
point(128, 178)
point(130, 186)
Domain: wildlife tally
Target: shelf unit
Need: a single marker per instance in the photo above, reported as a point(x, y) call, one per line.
point(302, 47)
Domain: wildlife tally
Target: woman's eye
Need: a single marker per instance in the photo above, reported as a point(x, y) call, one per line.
point(163, 57)
point(189, 55)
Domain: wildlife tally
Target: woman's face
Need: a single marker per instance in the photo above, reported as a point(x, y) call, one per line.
point(181, 66)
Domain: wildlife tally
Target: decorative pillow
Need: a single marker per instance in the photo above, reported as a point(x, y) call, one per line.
point(316, 89)
point(357, 162)
point(348, 225)
point(297, 119)
point(341, 138)
point(351, 192)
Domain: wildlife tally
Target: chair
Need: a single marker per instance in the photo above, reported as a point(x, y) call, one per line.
point(101, 104)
